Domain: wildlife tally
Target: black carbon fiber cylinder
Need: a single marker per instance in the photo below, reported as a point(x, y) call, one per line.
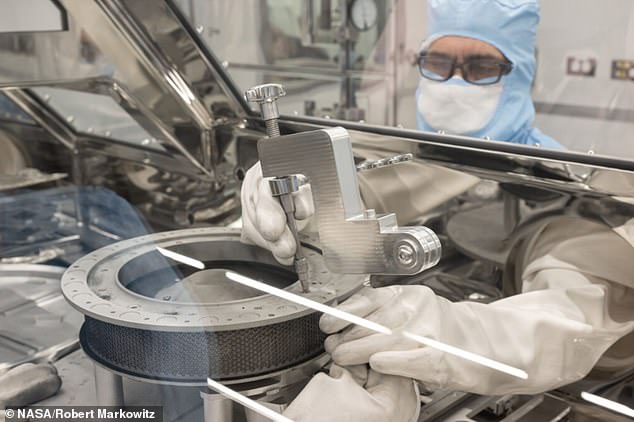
point(194, 356)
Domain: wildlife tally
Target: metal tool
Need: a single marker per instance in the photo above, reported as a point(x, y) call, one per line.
point(282, 187)
point(353, 240)
point(266, 96)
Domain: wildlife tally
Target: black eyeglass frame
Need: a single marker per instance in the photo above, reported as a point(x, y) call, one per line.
point(505, 68)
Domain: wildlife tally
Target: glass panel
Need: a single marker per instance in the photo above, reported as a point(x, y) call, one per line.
point(125, 248)
point(32, 16)
point(97, 114)
point(329, 71)
point(337, 67)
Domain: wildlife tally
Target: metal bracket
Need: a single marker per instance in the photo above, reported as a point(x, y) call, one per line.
point(353, 240)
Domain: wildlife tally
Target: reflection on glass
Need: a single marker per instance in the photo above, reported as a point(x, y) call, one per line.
point(104, 117)
point(19, 16)
point(568, 93)
point(333, 63)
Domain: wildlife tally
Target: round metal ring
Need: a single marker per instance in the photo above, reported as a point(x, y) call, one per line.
point(132, 328)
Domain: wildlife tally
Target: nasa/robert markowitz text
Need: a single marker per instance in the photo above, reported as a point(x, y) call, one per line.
point(87, 413)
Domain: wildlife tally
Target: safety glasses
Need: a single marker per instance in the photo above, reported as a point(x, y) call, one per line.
point(475, 70)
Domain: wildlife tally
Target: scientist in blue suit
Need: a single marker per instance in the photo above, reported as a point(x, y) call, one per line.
point(477, 66)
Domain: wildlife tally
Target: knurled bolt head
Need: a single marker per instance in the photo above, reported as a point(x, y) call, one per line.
point(266, 97)
point(265, 93)
point(284, 185)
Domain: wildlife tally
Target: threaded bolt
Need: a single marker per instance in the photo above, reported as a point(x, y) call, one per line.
point(272, 128)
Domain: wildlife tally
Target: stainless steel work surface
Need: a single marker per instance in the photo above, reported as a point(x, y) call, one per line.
point(36, 322)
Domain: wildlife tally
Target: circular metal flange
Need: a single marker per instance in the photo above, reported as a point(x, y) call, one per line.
point(94, 285)
point(228, 332)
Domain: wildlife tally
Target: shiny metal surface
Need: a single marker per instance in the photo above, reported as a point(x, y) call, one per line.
point(559, 171)
point(109, 387)
point(136, 65)
point(352, 241)
point(282, 186)
point(384, 162)
point(164, 72)
point(62, 132)
point(265, 96)
point(160, 69)
point(37, 323)
point(45, 117)
point(461, 407)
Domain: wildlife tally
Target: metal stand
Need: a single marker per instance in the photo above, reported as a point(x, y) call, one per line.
point(109, 387)
point(217, 408)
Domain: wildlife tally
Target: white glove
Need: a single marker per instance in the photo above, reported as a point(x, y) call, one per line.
point(355, 394)
point(263, 219)
point(555, 335)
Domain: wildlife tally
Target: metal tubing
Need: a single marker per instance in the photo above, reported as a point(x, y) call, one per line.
point(217, 408)
point(272, 128)
point(109, 387)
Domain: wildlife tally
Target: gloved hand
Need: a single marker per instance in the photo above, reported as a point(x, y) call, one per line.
point(555, 335)
point(264, 220)
point(27, 384)
point(355, 394)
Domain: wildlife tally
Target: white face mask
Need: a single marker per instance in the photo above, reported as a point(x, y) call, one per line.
point(456, 106)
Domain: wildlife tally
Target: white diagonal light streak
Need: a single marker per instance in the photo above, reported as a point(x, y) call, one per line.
point(473, 357)
point(300, 300)
point(608, 404)
point(247, 402)
point(181, 258)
